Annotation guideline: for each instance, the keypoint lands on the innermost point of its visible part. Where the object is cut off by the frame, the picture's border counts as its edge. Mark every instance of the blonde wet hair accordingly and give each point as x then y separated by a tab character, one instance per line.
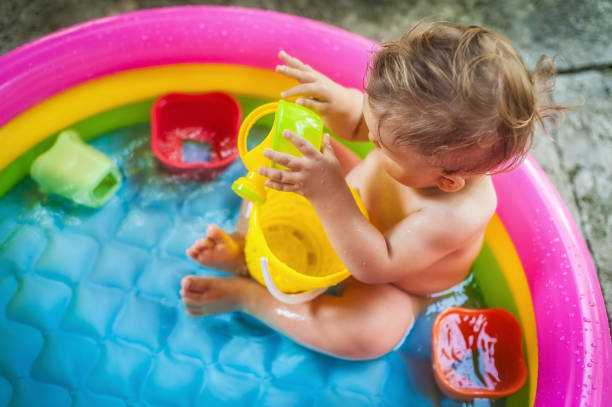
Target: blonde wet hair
461	96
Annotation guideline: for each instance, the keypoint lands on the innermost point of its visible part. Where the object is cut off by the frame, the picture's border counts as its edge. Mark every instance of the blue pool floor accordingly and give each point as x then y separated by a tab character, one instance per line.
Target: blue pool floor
91	313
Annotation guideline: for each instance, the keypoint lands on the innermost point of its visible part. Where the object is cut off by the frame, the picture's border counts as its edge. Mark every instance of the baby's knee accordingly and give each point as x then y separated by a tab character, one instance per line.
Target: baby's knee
372	342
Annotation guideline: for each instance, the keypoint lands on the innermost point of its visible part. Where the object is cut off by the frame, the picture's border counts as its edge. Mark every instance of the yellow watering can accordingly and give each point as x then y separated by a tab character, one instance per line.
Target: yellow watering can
288	116
286	248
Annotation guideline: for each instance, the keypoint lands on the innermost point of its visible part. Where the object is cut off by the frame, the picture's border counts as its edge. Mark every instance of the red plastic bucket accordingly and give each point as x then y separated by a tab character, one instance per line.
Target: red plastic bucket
195	136
477	353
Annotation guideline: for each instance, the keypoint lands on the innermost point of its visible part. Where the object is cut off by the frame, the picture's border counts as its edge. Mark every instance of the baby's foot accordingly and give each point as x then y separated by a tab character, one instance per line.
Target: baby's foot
219	250
211	295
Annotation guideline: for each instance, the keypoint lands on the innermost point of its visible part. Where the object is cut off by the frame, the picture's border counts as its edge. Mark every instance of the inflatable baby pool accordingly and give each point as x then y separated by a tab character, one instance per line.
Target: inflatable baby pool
74	332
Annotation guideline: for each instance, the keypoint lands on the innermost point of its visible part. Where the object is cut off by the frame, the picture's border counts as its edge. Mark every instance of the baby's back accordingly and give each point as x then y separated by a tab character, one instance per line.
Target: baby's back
455	222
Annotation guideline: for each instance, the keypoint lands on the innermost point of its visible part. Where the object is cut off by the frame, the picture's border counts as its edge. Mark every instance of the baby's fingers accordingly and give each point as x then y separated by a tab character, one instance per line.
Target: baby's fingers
303	145
313	104
288	160
293	61
306	89
299	75
280	176
279	186
326	147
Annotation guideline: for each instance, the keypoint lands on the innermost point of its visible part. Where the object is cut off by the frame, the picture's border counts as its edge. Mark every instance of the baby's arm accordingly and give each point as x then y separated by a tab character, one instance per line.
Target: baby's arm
340	107
413	245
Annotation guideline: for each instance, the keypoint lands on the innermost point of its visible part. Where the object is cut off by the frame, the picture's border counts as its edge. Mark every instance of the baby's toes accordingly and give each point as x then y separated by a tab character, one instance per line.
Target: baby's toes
191	252
203	243
194	249
207	255
216	234
191	288
199	246
193	308
194	312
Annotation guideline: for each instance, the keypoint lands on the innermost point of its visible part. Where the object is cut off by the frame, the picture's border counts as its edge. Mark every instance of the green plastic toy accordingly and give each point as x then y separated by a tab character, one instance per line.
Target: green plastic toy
288	116
76	171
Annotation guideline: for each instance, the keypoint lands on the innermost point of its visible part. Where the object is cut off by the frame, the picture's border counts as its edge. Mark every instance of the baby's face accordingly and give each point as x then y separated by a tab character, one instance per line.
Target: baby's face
402	163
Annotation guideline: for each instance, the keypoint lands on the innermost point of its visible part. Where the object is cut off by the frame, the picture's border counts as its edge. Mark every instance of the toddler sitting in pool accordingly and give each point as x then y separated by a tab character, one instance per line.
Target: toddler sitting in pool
445	106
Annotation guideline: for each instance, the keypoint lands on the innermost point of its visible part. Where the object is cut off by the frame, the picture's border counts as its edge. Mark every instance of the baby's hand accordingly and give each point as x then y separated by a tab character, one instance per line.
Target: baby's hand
315	175
320	91
339	107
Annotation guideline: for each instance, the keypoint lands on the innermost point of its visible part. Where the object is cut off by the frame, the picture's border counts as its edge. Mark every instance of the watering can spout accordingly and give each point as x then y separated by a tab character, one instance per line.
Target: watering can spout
250	187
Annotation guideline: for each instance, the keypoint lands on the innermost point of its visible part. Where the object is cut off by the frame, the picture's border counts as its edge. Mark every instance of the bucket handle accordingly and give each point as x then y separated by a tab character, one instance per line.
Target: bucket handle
249	121
281	296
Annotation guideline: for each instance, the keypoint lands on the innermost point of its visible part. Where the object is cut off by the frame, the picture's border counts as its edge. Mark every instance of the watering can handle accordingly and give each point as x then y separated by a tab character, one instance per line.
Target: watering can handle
281	296
249	121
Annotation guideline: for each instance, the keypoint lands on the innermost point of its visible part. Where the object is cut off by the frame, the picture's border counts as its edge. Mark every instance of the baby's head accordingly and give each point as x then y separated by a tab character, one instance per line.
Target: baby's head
456	99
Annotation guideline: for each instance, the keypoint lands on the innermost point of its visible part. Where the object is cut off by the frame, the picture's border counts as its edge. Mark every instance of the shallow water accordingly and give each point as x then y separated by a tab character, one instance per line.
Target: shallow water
92	312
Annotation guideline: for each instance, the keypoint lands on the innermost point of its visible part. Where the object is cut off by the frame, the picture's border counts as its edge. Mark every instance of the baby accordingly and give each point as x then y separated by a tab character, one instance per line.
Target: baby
445	106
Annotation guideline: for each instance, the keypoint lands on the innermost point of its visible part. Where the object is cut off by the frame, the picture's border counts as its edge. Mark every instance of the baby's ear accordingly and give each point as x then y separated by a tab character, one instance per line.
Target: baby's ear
451	182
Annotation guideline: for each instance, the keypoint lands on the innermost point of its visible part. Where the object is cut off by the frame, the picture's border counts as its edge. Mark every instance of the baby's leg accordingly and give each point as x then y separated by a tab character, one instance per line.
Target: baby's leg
365	322
222	250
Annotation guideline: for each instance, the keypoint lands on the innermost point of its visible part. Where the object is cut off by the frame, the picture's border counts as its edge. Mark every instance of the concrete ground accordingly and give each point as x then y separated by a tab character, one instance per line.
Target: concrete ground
576	157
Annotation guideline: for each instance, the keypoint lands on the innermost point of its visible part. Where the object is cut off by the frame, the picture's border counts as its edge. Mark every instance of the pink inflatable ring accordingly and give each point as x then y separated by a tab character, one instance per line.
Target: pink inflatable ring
574	364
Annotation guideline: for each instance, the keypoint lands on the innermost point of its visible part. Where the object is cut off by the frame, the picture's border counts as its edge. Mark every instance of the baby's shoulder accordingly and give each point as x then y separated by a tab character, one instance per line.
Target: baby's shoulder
467	211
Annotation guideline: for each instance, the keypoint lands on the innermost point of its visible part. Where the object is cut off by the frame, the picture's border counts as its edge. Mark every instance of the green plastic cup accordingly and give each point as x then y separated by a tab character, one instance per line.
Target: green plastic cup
76	171
287	116
301	121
